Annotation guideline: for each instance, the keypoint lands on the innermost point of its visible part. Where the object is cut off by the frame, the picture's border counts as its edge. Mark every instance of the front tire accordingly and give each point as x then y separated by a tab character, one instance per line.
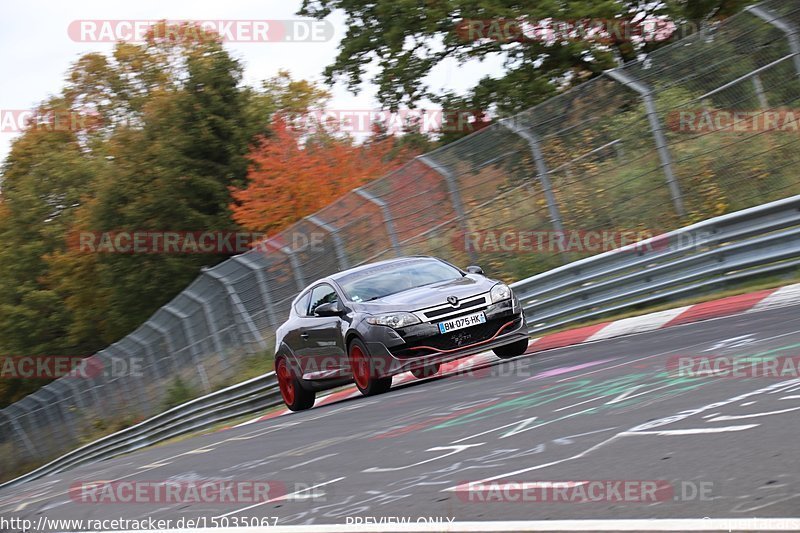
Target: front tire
511	350
294	395
364	372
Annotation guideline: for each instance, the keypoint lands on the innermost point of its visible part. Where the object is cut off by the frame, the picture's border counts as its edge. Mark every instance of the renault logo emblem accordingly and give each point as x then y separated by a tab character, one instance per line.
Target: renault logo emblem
452	300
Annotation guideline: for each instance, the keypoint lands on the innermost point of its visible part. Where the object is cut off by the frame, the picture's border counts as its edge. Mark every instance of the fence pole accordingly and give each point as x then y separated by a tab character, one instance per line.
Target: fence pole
134	337
338	245
245	319
167	341
72	383
192	344
261	281
108	370
760	94
786	26
130	358
44	408
387	218
455	197
208	315
658	133
297	271
17	428
57	399
541	168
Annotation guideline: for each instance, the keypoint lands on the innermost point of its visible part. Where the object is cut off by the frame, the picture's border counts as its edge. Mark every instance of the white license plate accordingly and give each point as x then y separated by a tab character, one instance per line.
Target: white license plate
462	322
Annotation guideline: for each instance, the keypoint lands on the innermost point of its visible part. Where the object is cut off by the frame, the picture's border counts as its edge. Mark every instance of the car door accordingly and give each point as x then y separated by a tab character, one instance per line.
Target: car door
292	338
322	348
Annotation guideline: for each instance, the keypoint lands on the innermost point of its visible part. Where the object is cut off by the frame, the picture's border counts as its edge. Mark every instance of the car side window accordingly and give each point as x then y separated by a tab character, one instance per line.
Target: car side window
322	294
301	306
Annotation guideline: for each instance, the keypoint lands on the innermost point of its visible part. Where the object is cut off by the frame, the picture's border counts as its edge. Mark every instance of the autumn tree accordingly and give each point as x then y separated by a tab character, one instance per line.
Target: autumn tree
294	174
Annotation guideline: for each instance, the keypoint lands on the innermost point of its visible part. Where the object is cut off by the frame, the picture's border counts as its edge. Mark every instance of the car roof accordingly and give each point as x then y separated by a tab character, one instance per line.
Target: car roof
368	266
335	277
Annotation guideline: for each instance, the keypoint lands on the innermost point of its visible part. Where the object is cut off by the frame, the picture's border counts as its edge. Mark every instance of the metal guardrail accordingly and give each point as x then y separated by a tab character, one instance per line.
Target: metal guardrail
201	413
732	247
743	244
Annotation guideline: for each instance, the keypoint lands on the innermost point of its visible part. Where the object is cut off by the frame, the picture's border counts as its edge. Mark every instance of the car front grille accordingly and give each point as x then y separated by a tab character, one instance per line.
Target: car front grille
453	340
466	304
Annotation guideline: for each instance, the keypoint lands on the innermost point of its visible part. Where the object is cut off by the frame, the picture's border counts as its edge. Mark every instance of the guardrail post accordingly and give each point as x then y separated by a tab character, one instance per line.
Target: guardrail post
261	280
541	169
338	245
786	26
658	133
192	344
455	197
239	306
387	218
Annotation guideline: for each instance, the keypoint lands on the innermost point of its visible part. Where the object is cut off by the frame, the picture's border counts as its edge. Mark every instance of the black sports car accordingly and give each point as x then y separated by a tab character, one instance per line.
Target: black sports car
366	324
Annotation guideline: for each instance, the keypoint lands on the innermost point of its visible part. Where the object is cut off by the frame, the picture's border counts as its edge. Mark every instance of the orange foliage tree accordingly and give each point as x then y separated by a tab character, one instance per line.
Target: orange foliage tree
290	179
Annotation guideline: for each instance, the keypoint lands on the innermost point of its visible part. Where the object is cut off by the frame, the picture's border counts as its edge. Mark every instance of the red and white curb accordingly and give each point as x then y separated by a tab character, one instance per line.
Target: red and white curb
732	305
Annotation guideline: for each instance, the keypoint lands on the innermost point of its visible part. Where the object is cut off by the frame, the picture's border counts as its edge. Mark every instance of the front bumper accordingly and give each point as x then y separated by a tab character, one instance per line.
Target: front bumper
396	351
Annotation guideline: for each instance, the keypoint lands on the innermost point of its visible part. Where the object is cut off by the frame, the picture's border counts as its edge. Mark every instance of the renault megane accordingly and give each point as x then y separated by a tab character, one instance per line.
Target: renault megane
366	324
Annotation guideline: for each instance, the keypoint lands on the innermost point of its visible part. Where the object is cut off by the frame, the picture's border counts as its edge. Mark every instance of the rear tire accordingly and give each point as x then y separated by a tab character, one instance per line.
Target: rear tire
426	371
511	350
364	372
294	395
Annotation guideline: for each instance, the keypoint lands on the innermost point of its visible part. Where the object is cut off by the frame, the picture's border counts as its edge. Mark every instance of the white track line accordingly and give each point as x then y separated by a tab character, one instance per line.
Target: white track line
692	431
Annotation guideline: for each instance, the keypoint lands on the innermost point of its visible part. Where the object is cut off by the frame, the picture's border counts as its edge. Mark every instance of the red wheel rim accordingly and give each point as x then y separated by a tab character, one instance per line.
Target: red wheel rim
360	366
285	382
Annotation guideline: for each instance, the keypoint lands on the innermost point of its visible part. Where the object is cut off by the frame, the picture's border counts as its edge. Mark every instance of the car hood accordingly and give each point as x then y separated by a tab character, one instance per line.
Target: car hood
429	295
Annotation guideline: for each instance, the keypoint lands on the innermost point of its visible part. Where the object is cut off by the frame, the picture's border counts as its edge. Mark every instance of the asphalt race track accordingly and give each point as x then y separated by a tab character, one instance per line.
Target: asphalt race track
608	411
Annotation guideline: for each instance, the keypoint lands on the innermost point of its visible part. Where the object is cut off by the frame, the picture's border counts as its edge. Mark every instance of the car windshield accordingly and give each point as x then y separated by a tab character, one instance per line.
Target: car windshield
391	278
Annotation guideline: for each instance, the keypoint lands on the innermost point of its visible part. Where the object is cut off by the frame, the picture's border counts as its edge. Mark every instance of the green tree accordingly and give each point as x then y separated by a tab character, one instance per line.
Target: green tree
173	162
404	40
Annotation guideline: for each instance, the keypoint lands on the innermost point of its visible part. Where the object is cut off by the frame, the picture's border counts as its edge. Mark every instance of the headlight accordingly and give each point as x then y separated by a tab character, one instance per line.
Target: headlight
500	292
393	320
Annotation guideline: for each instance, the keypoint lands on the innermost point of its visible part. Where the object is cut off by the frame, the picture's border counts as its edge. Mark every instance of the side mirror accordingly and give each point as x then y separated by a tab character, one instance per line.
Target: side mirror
473	269
329	309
